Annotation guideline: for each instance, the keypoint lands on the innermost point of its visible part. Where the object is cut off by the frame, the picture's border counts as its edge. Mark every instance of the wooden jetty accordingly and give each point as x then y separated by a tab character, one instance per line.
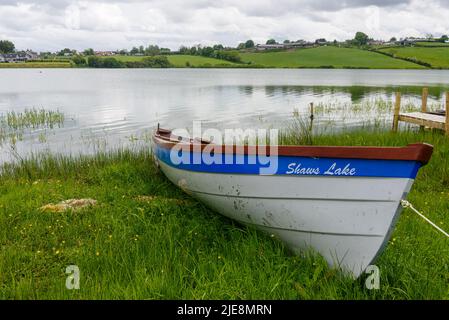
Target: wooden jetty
424	119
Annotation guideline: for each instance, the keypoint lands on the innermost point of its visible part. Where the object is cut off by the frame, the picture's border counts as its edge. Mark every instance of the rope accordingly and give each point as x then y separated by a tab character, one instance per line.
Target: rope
406	204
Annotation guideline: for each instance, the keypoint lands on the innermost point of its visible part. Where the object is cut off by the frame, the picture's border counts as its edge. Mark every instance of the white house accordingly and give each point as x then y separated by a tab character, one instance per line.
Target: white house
21	56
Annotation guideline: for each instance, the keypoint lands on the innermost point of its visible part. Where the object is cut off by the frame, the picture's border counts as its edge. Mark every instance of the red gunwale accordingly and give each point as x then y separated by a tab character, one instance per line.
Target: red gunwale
420	152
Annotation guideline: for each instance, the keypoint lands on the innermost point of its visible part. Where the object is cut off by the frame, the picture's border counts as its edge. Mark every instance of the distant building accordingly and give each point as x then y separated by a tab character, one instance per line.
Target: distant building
298	44
412	40
376	42
22	56
31	55
269	46
105	53
321	41
287	45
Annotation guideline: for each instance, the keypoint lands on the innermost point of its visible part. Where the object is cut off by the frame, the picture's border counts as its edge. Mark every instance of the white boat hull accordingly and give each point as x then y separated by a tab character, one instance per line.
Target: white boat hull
347	220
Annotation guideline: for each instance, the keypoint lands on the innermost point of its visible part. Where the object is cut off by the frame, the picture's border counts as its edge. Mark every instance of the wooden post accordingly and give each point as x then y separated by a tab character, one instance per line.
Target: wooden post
425	93
311	117
397	107
447	113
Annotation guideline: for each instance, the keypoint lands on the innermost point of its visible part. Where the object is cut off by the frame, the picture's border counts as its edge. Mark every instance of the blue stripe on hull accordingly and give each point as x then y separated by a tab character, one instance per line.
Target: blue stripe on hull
249	164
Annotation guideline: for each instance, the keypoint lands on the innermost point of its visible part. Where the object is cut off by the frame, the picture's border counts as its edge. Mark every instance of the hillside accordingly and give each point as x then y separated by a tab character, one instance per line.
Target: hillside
327	56
196	61
436	57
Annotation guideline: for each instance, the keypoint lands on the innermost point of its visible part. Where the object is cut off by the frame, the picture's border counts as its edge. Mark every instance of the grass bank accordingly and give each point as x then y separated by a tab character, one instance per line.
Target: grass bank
437	57
147	239
36	65
182	61
327	57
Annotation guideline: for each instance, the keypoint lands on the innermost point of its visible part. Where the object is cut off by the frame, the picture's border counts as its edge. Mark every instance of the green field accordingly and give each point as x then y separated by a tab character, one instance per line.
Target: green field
181	60
432	44
327	56
36	65
147	239
197	61
437	57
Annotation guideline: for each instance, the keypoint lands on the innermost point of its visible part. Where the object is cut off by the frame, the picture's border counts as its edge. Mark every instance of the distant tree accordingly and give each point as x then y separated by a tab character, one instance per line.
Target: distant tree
46	55
66	52
429	36
94	62
287	41
156	62
393	39
141	49
194	50
227	55
218	47
134	51
147	62
183	50
97	62
444	38
6	46
241	46
89	52
152	50
79	60
207	51
249	44
361	38
164	50
123	52
320	40
111	63
271	41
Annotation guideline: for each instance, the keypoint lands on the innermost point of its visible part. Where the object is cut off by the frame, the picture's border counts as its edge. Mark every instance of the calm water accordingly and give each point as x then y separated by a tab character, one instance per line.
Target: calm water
106	108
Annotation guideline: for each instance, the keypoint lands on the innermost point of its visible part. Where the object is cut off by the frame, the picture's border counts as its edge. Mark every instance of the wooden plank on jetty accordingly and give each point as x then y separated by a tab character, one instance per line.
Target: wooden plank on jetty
423	118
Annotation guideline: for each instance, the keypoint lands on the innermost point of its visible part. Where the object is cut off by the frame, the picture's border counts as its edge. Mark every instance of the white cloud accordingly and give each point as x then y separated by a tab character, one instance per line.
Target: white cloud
113	24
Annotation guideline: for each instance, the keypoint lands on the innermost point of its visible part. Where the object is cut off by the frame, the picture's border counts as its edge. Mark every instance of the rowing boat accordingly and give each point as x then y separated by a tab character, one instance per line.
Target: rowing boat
340	201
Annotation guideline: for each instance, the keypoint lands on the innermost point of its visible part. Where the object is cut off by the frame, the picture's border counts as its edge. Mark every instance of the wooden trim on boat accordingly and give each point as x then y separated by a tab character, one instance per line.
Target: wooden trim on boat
414	152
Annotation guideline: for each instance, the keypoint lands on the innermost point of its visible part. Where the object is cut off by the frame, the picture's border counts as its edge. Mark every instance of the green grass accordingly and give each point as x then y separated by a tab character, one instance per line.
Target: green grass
124	58
436	57
182	60
36	65
327	56
197	61
172	246
432	44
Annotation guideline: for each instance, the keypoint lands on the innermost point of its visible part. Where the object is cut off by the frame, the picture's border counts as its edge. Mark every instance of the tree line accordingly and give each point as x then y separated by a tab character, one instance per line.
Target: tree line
111	62
217	51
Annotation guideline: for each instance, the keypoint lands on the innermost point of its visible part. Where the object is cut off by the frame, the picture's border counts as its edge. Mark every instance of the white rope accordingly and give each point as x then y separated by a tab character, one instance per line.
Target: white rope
406	204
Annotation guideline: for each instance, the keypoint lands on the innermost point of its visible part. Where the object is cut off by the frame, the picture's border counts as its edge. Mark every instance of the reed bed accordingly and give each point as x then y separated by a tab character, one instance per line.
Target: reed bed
14	125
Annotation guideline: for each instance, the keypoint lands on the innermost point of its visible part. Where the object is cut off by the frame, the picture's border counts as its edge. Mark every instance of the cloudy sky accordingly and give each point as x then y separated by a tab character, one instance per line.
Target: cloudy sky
114	24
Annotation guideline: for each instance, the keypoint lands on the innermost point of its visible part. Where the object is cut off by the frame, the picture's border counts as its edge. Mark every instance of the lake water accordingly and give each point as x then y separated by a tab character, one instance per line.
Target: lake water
105	108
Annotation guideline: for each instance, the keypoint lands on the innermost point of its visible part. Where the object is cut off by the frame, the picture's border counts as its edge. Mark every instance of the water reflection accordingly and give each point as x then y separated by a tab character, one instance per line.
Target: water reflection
106	108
